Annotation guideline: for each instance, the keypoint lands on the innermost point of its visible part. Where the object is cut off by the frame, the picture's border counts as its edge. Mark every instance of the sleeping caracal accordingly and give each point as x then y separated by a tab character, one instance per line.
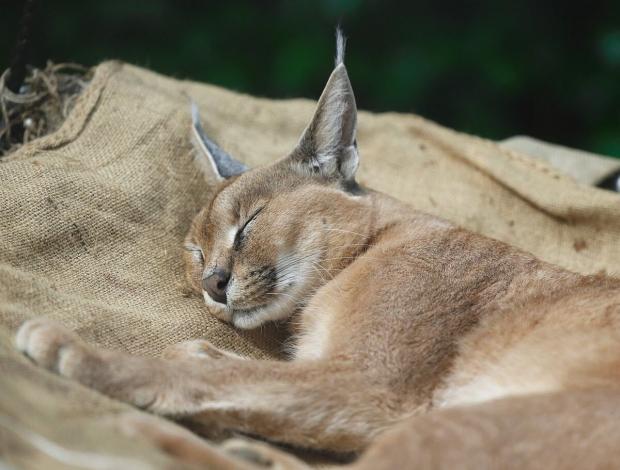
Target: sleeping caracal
459	349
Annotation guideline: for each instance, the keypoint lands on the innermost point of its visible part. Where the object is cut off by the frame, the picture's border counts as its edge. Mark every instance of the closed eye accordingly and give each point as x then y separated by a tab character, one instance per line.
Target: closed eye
196	252
241	231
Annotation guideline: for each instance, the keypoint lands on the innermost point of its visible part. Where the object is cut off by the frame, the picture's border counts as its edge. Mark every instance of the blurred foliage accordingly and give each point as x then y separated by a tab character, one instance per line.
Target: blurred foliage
492	68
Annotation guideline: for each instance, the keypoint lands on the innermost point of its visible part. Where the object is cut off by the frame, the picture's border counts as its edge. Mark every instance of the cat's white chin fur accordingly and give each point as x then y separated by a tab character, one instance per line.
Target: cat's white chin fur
279	309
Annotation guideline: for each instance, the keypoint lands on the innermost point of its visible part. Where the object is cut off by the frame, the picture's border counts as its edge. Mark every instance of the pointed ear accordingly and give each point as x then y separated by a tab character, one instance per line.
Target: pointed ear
328	144
211	158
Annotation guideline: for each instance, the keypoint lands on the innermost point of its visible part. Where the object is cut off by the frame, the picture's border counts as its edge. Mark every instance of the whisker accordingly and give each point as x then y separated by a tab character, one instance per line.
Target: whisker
280	294
356	257
319	273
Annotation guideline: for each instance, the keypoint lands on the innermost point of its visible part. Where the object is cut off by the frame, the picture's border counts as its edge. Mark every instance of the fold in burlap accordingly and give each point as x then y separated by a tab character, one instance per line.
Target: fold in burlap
92	218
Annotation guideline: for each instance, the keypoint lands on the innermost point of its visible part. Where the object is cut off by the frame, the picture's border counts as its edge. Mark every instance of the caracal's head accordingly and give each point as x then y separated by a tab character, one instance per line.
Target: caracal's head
271	236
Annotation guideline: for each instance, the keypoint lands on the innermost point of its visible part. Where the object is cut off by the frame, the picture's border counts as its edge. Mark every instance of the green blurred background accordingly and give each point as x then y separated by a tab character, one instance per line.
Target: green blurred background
491	67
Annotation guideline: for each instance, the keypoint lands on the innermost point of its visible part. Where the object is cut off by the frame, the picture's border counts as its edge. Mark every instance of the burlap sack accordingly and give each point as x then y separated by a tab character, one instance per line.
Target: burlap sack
584	167
92	218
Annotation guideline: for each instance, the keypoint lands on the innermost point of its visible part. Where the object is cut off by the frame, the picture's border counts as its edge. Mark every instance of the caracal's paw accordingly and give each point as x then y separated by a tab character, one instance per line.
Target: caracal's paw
52	346
197	349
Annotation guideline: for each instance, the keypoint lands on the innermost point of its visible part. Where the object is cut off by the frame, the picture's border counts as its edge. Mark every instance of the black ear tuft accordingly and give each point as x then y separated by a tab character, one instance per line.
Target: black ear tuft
211	158
328	146
341	43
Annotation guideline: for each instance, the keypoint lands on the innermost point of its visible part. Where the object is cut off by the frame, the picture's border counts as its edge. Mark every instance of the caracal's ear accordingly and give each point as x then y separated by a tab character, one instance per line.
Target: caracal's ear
328	145
212	160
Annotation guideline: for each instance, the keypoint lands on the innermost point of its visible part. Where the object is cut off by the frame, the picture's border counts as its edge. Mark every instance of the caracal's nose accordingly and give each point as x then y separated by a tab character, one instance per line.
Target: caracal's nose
215	284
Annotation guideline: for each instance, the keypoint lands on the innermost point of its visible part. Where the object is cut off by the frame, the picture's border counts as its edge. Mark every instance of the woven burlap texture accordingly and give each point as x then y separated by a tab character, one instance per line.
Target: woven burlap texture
92	220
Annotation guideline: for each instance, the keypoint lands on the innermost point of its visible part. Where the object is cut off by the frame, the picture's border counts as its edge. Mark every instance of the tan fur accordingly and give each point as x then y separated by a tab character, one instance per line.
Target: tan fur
464	351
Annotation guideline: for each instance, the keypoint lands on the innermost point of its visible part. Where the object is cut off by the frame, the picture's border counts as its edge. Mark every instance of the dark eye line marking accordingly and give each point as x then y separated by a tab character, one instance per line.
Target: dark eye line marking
239	235
252	217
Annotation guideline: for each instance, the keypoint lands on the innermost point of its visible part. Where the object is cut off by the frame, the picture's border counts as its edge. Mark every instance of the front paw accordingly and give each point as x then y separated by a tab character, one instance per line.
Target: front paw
52	346
126	378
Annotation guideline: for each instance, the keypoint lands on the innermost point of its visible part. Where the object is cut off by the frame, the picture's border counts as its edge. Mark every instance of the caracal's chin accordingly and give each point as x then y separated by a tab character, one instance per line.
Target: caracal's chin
279	309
